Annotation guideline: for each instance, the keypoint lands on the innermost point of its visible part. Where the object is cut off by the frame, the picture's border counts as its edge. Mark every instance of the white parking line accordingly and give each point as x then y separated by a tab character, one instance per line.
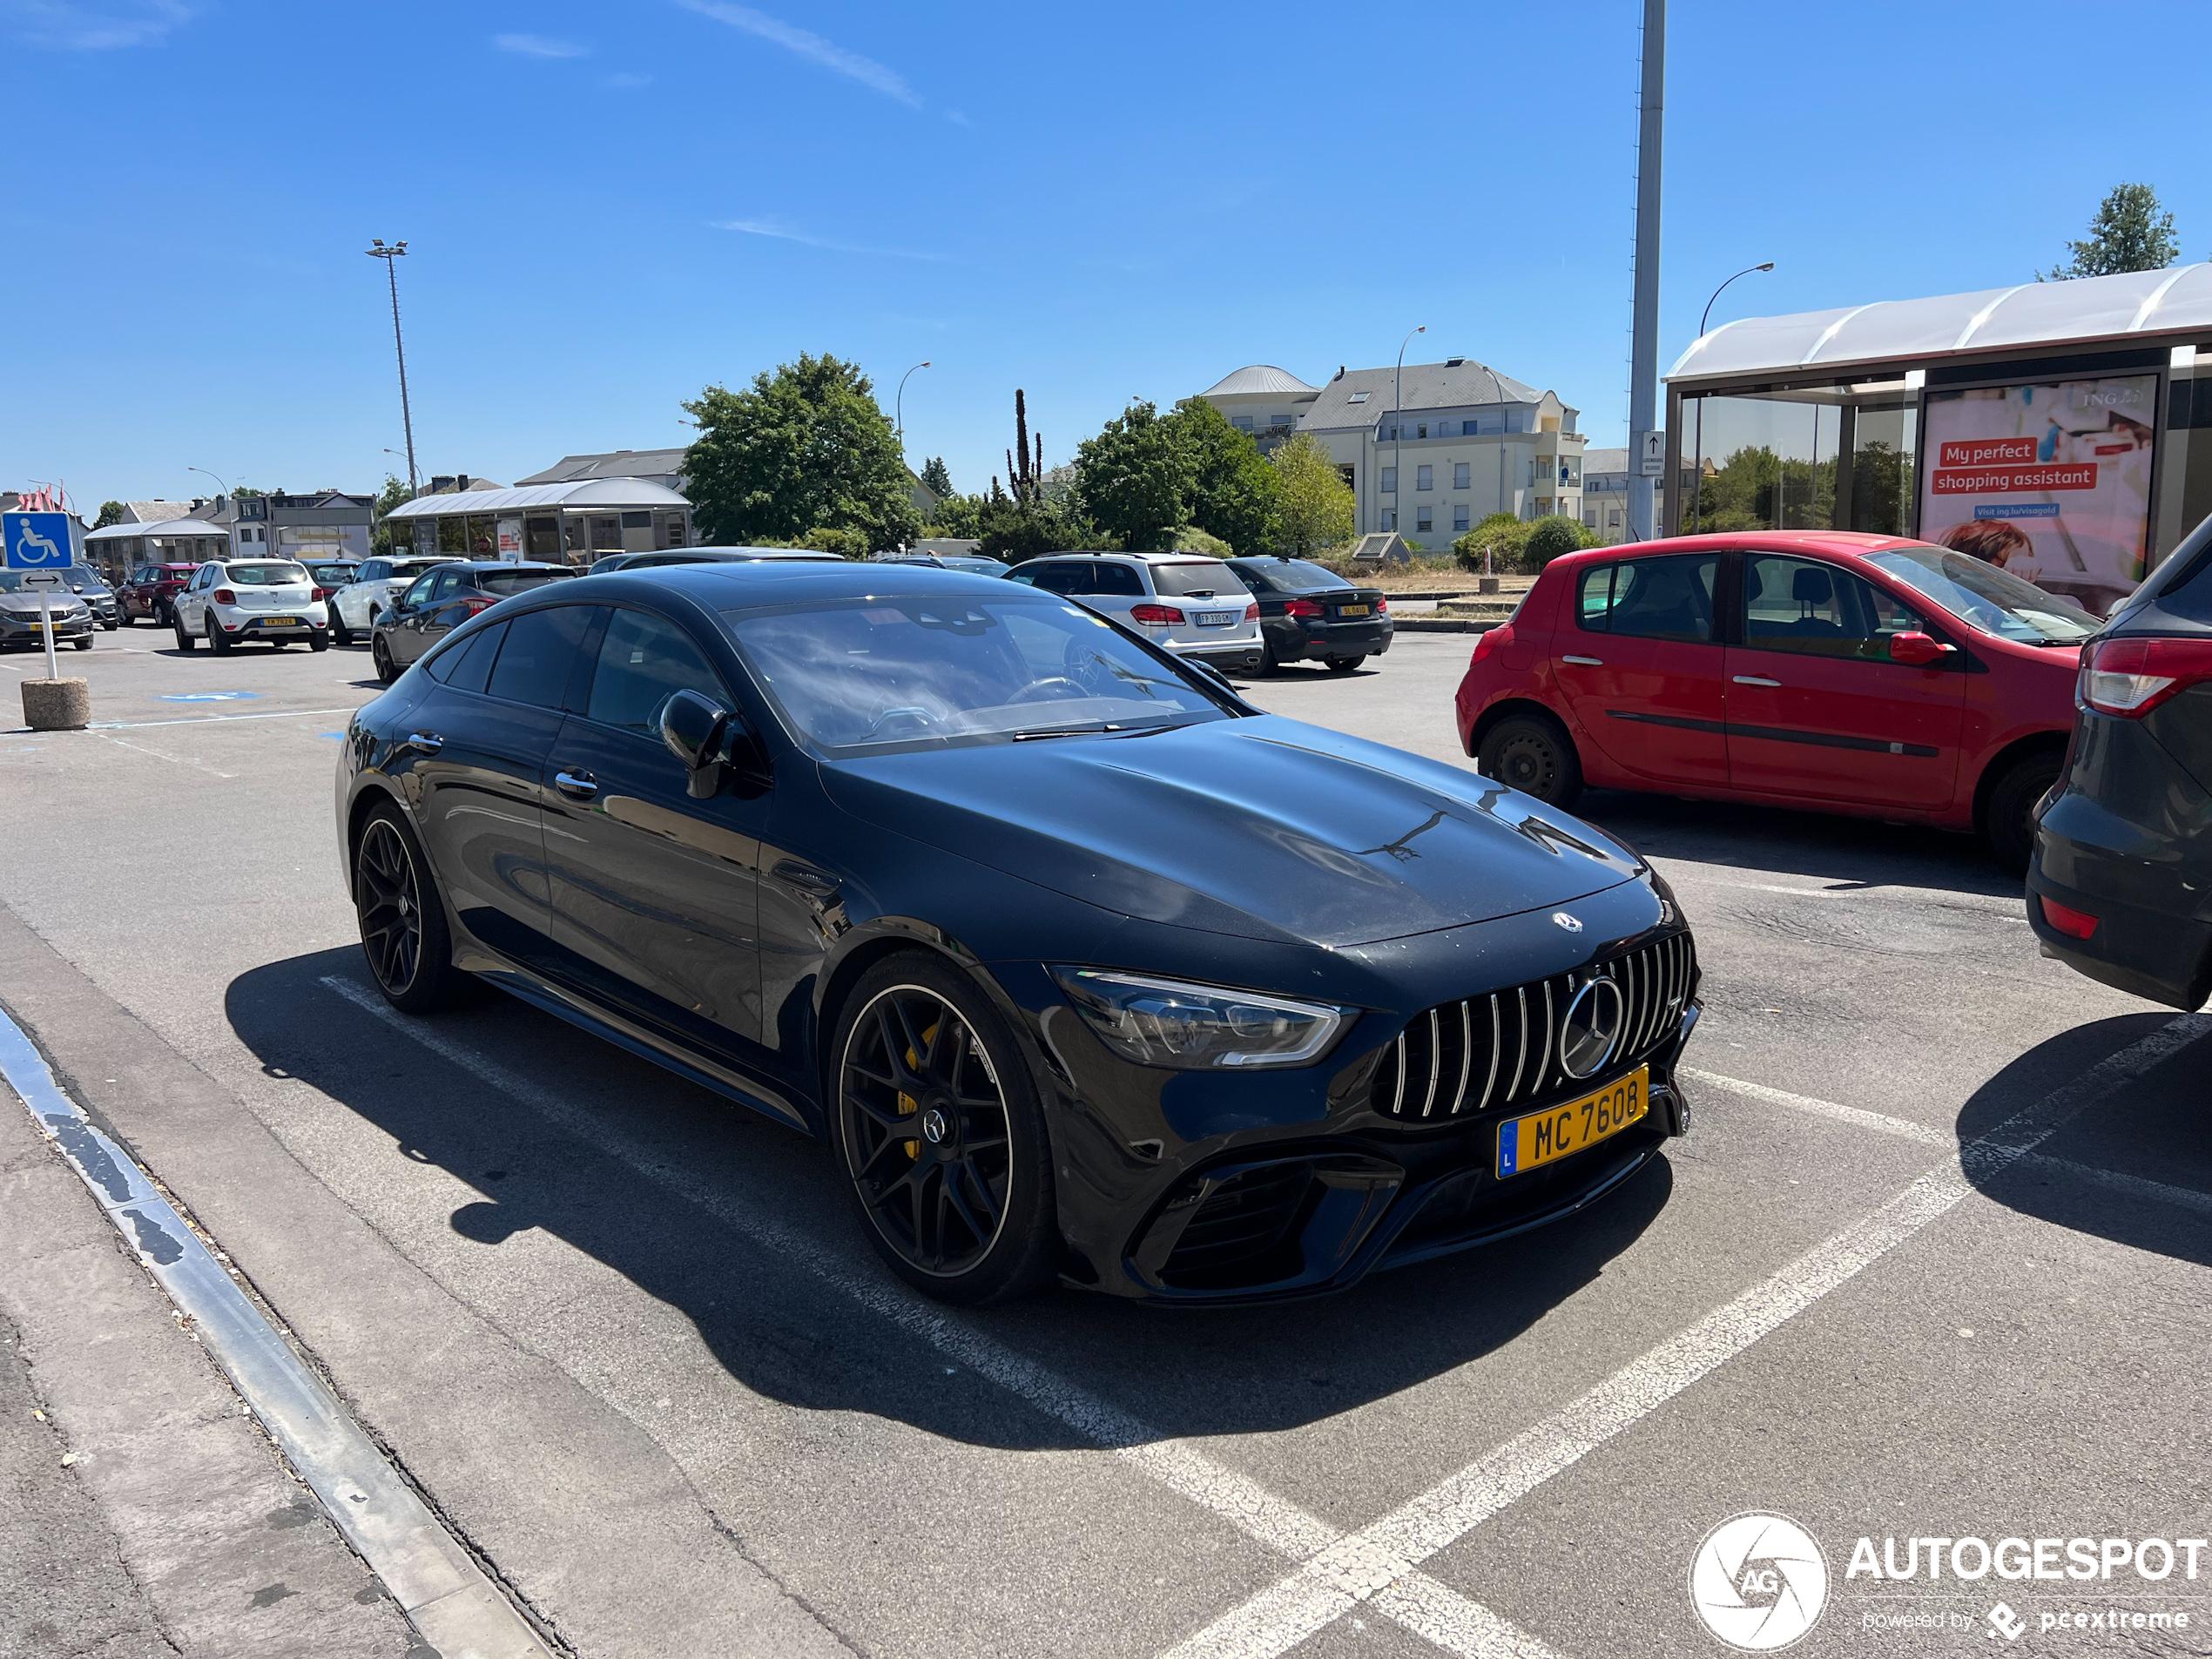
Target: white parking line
212	719
174	761
1428	1608
1365	1565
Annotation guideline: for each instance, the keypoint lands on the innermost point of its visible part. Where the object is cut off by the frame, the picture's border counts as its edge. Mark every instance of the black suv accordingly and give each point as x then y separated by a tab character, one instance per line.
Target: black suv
2122	886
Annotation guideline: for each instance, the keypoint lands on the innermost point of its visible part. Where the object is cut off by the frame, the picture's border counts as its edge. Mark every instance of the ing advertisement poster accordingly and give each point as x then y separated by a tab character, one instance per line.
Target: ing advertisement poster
2051	482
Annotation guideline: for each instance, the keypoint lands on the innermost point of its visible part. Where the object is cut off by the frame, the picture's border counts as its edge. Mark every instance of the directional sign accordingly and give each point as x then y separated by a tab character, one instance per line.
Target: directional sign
36	541
1651	454
43	579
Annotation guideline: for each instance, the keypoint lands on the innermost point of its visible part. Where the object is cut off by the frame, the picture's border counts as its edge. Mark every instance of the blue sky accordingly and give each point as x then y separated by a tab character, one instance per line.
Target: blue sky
609	206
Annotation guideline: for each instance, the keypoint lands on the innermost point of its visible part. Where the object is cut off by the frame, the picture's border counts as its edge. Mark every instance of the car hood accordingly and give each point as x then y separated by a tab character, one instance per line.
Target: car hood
1264	827
22	604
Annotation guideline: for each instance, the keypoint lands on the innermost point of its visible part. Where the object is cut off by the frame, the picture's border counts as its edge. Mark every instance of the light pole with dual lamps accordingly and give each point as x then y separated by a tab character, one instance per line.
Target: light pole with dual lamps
376	250
1698	444
1397	421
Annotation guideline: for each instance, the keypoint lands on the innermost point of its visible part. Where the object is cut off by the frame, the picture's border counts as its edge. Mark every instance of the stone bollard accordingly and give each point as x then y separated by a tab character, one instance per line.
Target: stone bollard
58	706
1486	584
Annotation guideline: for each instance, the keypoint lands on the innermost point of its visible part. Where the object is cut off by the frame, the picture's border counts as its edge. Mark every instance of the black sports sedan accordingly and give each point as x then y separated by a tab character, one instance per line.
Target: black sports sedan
1085	967
1307	612
439	600
2123	846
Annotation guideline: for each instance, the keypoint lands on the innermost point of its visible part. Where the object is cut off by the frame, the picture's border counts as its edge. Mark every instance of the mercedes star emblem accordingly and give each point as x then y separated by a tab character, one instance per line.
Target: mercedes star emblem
1573	924
1591	1029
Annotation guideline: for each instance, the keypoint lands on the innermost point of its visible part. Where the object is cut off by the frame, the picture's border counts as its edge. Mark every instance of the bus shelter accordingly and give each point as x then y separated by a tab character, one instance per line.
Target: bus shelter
2048	427
121	548
569	523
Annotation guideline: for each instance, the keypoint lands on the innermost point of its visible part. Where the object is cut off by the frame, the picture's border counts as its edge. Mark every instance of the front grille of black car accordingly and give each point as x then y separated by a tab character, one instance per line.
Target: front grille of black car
1246	1218
1502	1049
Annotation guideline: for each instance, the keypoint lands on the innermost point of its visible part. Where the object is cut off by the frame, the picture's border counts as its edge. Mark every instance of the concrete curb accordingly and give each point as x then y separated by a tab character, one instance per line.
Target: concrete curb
434	1579
1444	625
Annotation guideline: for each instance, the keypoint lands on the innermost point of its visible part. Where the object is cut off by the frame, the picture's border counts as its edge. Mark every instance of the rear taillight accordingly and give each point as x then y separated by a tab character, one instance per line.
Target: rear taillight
1154	613
1301	608
1493	640
1382	604
473	603
2131	677
320	593
2075	924
1252	611
225	597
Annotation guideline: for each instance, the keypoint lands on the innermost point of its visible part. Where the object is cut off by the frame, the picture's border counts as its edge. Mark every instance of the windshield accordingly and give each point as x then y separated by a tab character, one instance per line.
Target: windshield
519	581
1300	576
874	673
1195	579
403	568
263	576
1992	600
333	576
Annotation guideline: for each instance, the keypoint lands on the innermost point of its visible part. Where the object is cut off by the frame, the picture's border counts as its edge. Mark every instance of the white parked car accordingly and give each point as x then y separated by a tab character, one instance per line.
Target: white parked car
268	601
1194	606
354	607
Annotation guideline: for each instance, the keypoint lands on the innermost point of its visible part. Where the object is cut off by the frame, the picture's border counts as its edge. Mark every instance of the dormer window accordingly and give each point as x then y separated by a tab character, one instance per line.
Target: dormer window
1358	397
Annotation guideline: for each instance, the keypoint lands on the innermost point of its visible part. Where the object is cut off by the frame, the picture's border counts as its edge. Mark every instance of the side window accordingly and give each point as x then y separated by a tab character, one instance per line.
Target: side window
1662	598
1801	606
1063	576
539	655
1253	581
374	570
643	660
442	585
1119	580
469	663
418	593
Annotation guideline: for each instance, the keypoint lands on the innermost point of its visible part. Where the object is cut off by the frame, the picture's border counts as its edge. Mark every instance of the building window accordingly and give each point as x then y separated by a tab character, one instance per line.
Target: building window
1421	519
1459	469
1242	423
1423	430
1459	518
1357	397
1589	521
1613	518
1468	428
1390	518
1424	477
1389	480
1344	471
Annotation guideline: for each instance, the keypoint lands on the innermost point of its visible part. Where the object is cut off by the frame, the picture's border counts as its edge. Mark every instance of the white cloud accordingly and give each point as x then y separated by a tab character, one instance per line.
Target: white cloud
92	29
811	47
784	233
539	46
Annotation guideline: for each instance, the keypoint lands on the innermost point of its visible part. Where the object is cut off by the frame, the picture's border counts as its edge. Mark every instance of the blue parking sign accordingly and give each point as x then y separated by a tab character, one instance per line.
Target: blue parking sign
37	541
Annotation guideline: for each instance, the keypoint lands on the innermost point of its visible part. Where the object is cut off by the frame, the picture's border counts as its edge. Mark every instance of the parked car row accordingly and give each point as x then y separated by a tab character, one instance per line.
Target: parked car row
22	606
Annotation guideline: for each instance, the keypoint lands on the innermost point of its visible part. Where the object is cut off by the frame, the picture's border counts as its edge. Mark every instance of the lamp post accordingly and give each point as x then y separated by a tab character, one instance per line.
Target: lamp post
1498	386
1397	423
376	250
898	406
1697	446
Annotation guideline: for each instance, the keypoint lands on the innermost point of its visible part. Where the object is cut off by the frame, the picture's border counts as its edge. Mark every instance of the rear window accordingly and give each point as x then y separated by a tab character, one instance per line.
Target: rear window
1298	575
1196	579
264	576
415	567
504	582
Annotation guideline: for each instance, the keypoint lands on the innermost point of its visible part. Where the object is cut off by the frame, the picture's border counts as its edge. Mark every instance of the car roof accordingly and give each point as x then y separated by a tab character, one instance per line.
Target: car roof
1130	558
790	580
1831	544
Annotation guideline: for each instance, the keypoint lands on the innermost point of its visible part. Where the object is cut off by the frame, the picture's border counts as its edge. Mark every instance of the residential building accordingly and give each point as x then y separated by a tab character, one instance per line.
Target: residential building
325	524
1605	494
1470	441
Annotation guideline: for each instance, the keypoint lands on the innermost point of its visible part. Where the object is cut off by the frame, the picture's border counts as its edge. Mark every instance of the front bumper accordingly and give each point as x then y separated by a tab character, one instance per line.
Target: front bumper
1293	641
21	631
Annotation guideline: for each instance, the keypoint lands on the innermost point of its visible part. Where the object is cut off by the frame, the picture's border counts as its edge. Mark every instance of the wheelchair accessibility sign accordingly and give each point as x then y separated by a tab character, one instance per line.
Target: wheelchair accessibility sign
37	541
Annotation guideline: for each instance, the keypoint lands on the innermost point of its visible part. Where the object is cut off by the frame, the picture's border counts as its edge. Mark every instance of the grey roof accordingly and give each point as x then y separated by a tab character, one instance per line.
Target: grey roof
1604	461
1257	377
160	527
1426	386
158	512
2135	305
591	492
623	464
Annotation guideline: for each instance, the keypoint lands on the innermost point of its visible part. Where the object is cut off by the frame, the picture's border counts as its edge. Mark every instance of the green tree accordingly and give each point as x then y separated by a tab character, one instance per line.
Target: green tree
806	448
1234	494
111	513
2130	232
958	516
394	492
1547	539
1134	478
934	475
1014	529
1315	508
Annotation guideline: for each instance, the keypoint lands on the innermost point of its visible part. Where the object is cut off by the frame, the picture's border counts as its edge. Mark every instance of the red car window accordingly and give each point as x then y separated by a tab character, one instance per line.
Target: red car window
1657	598
1819	610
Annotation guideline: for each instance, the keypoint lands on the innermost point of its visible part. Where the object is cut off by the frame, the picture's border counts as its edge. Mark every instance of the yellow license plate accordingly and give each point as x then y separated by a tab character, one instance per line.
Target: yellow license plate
280	621
1540	1138
1353	610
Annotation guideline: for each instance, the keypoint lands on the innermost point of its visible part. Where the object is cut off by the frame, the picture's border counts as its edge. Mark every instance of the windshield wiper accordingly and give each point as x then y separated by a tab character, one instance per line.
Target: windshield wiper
1035	733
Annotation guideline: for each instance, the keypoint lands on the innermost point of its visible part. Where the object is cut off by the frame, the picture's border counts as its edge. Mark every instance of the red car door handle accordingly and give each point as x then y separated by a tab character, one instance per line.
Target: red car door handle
1584	662
1754	679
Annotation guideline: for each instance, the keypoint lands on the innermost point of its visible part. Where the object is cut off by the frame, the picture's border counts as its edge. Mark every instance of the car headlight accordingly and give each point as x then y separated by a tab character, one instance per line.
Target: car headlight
1168	1023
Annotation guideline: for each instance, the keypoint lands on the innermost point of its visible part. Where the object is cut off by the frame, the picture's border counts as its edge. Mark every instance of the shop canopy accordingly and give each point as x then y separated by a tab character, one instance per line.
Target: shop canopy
165	530
2145	306
603	493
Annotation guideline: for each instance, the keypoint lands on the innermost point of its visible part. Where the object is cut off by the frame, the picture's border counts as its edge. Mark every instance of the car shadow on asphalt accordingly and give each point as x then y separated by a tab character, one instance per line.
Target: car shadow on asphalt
2132	1167
611	1182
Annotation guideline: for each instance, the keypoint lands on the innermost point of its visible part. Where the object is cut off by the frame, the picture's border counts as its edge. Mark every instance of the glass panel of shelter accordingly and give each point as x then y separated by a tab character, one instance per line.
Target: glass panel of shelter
1837	457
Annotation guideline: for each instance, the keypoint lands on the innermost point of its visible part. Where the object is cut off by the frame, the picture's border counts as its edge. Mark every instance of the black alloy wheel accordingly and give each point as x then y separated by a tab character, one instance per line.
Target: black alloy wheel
1534	756
381	655
940	1135
403	923
2008	820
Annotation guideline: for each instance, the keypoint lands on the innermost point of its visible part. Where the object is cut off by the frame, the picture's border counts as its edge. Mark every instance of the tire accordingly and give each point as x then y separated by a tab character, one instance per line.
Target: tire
402	920
318	640
185	641
381	654
1344	665
1534	755
85	644
2009	817
967	1217
165	613
124	619
1270	663
339	634
216	641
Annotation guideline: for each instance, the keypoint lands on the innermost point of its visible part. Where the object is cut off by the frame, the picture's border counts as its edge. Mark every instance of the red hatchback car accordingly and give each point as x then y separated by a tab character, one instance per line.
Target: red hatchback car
1838	672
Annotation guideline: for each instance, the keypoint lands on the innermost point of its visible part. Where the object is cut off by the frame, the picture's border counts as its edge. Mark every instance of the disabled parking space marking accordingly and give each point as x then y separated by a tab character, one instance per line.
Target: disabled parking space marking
1363	1566
207	696
1420	1604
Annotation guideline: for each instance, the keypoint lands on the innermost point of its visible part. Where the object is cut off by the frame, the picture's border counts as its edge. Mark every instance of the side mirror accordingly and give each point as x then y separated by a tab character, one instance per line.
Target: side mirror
711	741
1915	649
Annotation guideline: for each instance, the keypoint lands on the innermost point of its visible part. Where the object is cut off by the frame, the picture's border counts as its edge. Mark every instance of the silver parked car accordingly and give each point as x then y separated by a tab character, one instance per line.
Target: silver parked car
356	607
1195	607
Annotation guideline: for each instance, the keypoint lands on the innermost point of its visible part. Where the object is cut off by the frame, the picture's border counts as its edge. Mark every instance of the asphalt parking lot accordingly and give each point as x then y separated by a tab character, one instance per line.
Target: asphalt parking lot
1936	1262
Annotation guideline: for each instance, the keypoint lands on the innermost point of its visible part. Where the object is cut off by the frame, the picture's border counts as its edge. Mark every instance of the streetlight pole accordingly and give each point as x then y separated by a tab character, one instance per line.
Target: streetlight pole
217	477
1643	332
1697	446
1498	386
1397	425
376	250
898	406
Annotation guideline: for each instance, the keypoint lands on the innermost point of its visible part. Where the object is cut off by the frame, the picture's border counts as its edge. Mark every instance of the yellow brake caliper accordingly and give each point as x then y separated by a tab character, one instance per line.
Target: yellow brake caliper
908	1104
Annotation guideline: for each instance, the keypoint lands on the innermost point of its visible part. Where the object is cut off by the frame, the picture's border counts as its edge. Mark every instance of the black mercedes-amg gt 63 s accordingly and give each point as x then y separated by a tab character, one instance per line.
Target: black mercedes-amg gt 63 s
1085	967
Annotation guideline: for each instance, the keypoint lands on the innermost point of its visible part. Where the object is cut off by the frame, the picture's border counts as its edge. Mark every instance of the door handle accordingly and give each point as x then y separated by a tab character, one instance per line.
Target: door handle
581	786
1585	661
1754	679
429	742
